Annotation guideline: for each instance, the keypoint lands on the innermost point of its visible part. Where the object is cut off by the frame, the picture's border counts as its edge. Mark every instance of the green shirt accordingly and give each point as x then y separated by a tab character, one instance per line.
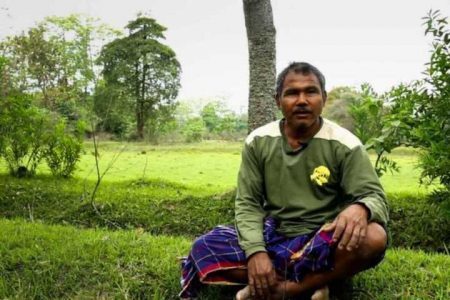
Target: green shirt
302	188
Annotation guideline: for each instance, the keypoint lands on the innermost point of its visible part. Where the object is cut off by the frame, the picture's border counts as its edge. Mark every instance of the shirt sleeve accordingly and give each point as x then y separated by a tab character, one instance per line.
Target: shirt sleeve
249	214
360	182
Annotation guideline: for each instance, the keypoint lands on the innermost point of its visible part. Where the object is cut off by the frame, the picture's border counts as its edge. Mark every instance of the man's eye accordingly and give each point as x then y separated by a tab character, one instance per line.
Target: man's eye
312	91
290	93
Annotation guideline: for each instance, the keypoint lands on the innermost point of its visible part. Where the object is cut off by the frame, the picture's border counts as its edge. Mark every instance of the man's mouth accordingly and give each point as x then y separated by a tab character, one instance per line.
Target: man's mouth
302	113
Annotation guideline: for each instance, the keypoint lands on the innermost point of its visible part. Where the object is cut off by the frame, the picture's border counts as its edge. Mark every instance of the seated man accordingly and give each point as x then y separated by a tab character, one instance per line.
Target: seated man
309	207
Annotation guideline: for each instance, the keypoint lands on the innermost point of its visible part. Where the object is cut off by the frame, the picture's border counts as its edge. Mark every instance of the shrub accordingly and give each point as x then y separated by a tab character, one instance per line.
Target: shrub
423	106
23	128
194	129
64	148
419	223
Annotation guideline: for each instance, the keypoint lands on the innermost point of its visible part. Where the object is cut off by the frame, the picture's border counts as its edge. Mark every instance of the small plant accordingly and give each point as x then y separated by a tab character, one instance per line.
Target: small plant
23	127
64	148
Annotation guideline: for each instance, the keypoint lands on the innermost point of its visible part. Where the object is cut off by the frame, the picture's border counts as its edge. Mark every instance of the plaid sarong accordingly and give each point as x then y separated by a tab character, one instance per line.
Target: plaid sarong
219	250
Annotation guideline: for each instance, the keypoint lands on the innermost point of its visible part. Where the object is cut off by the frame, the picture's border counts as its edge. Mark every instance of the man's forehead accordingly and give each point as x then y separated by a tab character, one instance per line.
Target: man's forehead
300	77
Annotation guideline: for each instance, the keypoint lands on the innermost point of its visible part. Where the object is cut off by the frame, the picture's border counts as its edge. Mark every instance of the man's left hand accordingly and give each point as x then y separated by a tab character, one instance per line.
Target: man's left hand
350	227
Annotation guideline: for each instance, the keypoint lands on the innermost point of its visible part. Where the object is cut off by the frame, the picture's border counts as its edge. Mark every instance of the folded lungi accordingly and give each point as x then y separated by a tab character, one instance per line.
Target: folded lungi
219	249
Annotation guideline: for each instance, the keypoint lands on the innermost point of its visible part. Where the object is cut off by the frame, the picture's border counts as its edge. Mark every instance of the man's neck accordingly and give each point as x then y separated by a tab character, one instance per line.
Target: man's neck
302	135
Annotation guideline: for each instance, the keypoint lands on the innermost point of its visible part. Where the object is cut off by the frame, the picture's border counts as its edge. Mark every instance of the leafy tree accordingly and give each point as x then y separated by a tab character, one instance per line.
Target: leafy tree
113	107
377	127
210	115
33	63
423	106
143	67
53	61
262	58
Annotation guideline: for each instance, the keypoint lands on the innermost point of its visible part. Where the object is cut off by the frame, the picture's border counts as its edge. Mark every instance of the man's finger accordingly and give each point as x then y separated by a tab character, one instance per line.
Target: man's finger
346	235
354	240
362	235
329	226
251	284
265	287
258	287
272	279
340	227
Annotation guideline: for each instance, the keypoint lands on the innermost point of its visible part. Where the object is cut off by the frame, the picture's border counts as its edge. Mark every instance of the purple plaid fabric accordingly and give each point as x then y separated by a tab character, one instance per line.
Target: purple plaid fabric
219	250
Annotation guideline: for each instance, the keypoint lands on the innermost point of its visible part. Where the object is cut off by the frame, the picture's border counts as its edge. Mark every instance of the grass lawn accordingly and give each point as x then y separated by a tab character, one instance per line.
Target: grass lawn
161	197
208	168
204	168
39	261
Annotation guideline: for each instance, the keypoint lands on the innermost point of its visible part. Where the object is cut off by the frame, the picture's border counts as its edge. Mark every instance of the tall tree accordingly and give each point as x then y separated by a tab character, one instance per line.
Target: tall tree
262	58
54	59
145	68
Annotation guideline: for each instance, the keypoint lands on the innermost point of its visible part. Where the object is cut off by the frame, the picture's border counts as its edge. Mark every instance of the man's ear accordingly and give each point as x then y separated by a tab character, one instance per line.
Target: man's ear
277	101
325	97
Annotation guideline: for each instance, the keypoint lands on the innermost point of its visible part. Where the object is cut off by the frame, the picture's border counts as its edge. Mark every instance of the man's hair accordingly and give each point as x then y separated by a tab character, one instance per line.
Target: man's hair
302	68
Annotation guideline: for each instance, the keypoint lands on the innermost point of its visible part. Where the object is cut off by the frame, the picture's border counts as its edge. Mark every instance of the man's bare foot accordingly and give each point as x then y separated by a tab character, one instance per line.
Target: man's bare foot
321	294
243	294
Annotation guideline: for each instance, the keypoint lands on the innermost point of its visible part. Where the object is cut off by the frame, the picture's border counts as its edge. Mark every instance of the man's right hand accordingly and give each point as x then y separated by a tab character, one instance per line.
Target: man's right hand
262	277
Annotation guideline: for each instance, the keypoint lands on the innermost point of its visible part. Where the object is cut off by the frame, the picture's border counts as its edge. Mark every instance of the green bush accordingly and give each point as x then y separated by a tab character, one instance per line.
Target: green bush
419	223
23	129
30	134
423	106
193	130
63	148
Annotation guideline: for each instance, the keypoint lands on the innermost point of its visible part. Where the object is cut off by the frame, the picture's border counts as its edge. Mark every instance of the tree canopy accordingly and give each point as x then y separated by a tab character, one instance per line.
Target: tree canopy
143	67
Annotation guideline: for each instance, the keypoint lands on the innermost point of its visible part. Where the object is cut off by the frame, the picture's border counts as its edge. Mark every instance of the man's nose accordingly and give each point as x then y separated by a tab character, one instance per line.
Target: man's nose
302	99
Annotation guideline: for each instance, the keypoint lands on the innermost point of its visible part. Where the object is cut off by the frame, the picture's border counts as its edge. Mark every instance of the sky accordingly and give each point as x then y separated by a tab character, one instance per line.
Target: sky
351	41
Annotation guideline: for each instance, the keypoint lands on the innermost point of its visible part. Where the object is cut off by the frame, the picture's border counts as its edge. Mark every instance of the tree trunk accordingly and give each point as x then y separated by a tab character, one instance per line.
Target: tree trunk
262	58
139	106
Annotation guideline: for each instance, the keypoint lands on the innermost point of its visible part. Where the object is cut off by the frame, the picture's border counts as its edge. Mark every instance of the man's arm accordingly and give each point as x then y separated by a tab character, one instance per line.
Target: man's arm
249	215
361	183
368	201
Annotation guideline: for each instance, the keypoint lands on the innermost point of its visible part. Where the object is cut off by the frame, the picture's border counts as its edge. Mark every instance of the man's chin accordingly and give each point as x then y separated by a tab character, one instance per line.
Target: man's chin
301	125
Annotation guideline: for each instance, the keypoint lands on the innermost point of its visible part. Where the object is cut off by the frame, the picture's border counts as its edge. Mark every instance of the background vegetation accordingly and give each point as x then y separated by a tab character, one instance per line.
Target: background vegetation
87	219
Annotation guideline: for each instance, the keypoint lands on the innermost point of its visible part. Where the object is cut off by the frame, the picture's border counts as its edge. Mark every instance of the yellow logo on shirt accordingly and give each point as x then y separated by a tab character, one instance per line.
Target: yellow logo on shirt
320	175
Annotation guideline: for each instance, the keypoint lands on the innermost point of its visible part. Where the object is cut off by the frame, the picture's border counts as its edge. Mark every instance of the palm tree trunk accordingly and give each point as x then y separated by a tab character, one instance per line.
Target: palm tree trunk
262	58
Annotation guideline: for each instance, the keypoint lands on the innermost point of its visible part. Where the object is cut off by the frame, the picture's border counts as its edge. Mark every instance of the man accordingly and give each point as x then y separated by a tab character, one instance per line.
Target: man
296	175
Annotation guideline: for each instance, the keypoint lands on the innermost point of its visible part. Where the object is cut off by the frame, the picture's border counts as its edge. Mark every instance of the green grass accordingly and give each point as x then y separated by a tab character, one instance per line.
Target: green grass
205	168
406	274
163	205
174	193
159	207
40	261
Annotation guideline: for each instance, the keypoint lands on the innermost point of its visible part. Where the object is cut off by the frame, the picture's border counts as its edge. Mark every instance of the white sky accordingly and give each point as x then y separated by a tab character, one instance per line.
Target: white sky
351	41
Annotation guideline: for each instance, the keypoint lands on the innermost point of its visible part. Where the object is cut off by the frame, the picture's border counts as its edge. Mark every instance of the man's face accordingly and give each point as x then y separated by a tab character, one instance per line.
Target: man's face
301	100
